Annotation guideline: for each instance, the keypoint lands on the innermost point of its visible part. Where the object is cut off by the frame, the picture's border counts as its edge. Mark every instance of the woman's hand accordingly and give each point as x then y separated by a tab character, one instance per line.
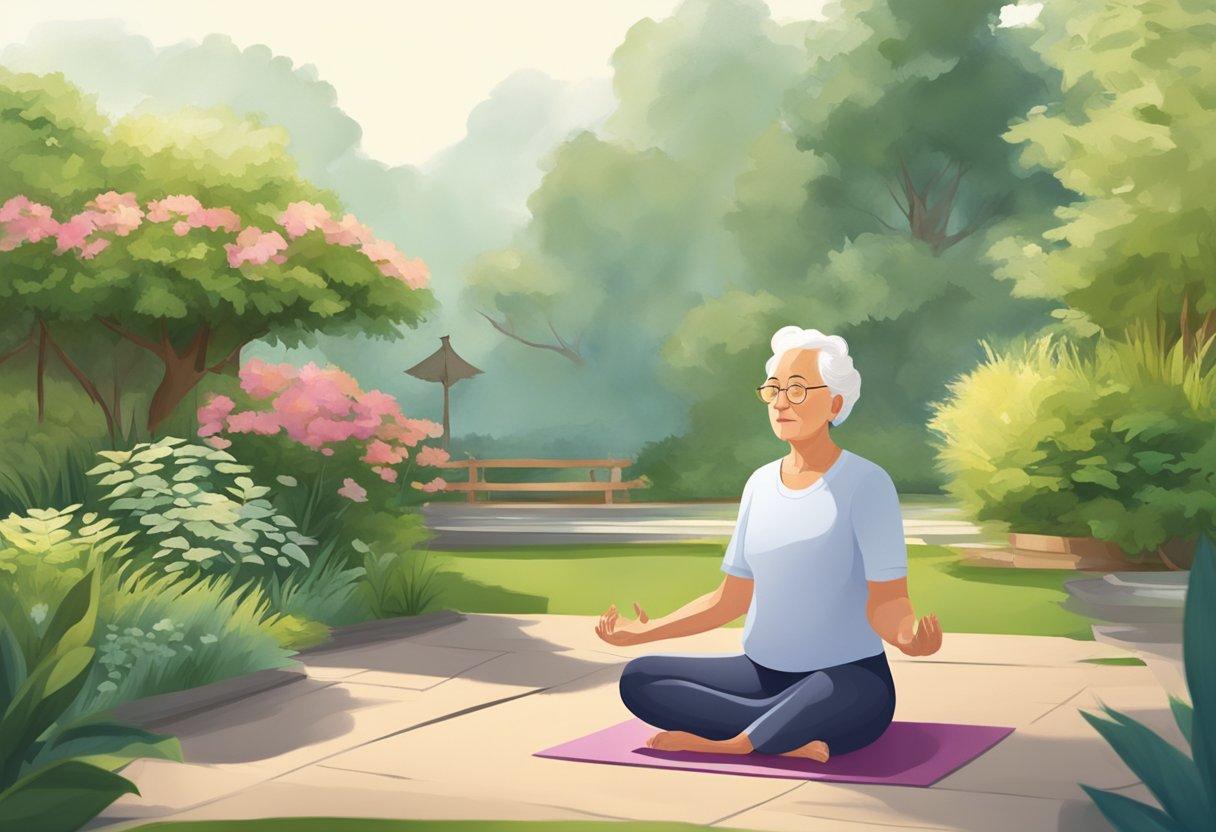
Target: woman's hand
922	640
623	632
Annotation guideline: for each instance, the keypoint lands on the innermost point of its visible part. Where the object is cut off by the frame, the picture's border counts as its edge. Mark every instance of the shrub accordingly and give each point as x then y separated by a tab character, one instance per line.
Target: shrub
351	452
1118	446
200	508
167	632
56	773
328	593
397	582
1185	786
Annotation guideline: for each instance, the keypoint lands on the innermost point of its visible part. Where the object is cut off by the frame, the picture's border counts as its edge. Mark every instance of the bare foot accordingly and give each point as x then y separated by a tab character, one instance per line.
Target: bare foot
815	750
684	741
676	741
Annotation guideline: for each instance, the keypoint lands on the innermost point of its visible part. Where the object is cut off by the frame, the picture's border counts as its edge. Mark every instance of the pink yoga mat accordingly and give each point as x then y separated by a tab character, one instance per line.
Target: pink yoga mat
907	754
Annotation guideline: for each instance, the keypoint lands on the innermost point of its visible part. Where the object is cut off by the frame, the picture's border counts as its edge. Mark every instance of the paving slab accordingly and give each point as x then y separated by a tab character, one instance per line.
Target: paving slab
443	723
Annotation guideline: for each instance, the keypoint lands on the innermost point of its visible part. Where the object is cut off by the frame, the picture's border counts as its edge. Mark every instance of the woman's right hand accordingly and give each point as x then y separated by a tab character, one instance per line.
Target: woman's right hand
623	631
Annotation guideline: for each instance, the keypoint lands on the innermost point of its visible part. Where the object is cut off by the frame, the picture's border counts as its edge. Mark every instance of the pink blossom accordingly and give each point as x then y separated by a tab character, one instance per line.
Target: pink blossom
94	248
327	451
262	380
386	474
431	455
215	219
348	232
253	245
218	442
353	491
159	210
72	234
211	415
393	263
252	421
381	453
117	213
302	217
434	485
25	221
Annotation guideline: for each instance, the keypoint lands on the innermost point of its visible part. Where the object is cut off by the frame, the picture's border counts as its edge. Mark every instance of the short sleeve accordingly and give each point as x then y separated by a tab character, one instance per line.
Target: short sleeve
878	528
734	562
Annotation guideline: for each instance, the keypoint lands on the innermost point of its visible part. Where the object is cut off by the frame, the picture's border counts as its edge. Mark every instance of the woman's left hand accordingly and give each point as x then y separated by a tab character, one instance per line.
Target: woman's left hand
922	641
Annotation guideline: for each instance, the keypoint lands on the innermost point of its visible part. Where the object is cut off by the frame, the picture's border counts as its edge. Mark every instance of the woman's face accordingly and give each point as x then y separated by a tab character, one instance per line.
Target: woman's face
793	422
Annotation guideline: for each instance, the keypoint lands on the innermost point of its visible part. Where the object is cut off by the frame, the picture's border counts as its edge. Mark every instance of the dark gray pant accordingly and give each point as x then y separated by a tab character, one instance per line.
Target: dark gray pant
719	696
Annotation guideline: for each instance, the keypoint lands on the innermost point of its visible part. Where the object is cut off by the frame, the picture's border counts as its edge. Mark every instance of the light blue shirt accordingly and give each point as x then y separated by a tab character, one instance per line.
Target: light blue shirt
810	552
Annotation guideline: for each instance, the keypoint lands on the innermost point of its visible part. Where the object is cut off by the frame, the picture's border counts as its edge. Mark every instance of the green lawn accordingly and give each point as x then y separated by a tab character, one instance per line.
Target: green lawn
662	577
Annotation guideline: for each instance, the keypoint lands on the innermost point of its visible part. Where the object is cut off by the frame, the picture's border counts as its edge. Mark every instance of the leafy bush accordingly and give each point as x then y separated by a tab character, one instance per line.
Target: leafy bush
328	593
351	452
1185	786
1118	446
44	553
168	632
397	582
56	773
43	463
217	516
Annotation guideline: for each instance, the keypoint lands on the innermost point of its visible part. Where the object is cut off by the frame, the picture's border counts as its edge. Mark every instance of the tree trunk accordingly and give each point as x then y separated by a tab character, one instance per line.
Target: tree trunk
41	374
179	379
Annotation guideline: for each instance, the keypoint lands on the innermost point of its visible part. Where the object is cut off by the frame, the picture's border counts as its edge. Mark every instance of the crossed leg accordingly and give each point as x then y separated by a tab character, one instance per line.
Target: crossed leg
729	704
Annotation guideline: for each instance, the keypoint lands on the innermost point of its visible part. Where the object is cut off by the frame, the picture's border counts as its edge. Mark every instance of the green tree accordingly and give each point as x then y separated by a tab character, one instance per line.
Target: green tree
1130	132
198	265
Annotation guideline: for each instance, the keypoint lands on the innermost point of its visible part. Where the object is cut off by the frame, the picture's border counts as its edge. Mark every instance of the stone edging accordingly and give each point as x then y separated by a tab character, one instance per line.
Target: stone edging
165	708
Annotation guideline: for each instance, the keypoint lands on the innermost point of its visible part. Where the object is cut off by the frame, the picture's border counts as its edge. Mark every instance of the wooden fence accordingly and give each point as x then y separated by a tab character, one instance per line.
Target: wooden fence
614	488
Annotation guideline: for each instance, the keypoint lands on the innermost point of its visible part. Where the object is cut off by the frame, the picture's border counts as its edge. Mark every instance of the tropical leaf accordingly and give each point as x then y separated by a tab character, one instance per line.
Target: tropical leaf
61	797
1199	657
1128	815
1167	772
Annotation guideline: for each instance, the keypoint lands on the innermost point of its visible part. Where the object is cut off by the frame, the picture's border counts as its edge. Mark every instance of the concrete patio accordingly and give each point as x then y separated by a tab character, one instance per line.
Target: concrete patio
439	716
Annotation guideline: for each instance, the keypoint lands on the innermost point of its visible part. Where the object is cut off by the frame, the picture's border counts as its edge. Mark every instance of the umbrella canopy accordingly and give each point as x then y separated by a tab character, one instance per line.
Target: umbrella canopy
447	368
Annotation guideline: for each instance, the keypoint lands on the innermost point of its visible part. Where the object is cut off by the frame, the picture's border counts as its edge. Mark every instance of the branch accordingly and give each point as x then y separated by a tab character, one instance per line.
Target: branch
219	365
939	217
132	337
872	214
11	353
988	210
89	386
565	351
898	204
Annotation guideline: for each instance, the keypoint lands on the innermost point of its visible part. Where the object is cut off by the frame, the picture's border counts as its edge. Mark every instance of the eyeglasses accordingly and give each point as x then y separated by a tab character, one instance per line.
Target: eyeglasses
796	393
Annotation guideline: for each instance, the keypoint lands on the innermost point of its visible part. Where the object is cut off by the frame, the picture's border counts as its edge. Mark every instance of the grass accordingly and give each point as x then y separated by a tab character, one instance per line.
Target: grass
377	825
662	577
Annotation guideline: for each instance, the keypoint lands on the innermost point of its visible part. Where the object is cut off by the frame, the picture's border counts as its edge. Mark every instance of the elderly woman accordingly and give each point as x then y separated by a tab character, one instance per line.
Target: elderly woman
818	562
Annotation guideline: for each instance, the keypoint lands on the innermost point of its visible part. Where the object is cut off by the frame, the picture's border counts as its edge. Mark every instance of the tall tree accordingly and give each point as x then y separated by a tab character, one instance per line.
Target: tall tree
223	244
1131	133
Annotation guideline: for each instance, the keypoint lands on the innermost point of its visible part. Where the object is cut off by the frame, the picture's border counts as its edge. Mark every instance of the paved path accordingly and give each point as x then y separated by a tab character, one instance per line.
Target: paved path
443	724
468	525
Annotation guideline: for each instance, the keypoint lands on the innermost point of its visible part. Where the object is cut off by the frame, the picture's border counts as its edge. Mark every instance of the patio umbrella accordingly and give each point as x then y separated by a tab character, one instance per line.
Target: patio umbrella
446	367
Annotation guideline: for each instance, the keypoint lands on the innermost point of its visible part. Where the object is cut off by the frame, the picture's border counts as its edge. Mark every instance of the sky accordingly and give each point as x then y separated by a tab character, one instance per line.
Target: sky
410	71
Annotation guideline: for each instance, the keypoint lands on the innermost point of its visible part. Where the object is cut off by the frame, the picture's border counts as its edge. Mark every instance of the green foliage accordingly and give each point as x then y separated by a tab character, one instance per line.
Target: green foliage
329	592
1185	786
1131	135
1117	446
56	771
166	632
200	508
397	583
42	465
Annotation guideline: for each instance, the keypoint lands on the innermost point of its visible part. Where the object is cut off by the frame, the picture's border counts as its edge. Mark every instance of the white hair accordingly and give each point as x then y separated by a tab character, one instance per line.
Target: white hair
835	364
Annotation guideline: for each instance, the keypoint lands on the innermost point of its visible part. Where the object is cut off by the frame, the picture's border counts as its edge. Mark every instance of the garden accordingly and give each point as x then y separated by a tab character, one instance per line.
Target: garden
178	509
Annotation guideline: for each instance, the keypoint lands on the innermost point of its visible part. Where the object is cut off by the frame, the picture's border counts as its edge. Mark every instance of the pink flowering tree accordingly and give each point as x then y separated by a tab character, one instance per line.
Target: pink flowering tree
350	443
206	239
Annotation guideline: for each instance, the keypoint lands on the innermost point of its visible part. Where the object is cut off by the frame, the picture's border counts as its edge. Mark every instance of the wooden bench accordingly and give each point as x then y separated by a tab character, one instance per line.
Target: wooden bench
612	487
